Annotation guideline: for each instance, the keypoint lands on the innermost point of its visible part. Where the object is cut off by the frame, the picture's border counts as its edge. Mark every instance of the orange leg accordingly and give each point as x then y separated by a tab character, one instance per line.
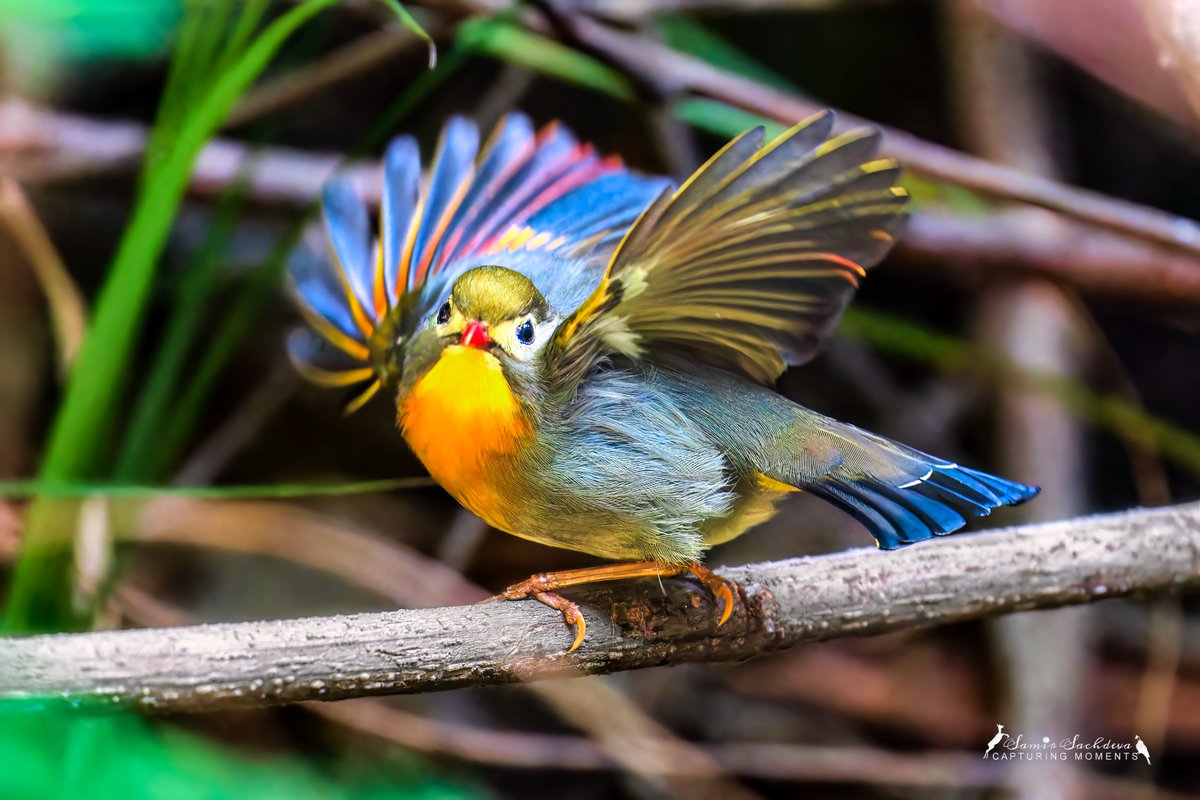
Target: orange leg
541	587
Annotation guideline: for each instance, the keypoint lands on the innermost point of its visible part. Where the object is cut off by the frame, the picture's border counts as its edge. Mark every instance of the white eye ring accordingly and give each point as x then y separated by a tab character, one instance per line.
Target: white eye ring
525	332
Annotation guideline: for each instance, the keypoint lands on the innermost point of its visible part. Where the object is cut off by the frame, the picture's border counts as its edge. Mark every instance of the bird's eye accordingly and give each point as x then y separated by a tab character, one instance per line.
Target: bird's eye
444	313
525	332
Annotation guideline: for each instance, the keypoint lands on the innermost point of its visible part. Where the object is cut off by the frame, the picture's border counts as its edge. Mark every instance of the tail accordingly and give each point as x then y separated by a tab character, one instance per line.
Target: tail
900	494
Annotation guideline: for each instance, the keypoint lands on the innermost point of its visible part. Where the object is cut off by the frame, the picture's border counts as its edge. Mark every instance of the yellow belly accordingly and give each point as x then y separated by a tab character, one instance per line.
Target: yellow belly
463	422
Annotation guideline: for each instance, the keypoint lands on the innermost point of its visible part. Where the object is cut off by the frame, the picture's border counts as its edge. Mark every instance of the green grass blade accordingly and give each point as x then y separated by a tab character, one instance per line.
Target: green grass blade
20	490
891	334
188	309
407	20
689	36
39	595
261	289
103	362
507	41
247	23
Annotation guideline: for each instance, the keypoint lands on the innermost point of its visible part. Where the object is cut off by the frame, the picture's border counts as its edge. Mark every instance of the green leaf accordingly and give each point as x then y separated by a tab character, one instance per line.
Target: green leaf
39	593
53	751
689	36
721	119
504	40
407	20
88	30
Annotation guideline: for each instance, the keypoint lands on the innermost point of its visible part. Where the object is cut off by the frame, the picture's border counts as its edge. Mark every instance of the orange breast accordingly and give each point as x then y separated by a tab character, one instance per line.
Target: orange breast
463	422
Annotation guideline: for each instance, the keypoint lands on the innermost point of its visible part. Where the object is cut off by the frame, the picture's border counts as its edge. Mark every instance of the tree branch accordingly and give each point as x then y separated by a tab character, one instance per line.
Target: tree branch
858	592
642	55
38	145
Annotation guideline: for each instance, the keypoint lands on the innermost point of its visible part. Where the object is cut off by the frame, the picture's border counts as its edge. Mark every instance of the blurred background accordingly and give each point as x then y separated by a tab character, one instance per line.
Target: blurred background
159	161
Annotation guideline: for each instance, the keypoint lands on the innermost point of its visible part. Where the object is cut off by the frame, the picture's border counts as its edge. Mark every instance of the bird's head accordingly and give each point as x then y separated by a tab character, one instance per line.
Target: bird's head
493	318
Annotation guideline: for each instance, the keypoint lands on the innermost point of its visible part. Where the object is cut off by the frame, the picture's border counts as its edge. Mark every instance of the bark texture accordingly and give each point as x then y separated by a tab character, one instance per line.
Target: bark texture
631	625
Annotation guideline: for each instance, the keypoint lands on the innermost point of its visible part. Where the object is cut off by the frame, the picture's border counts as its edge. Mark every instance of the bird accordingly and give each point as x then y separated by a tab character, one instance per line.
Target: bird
1000	735
584	356
1141	748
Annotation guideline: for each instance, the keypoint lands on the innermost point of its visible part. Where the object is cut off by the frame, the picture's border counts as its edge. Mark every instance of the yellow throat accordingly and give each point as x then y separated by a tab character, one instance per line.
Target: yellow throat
458	418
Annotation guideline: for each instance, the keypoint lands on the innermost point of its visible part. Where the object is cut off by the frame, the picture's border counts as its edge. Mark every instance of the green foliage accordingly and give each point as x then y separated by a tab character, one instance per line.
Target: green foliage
90	30
689	36
496	36
722	119
217	58
891	334
101	756
407	20
141	450
222	47
56	751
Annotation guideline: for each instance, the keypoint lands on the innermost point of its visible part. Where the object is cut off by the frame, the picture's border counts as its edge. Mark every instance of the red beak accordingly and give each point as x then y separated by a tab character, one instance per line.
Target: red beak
475	335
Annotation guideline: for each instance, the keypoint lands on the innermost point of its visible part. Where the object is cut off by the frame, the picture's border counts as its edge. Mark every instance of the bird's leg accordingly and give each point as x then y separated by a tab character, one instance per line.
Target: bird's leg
541	587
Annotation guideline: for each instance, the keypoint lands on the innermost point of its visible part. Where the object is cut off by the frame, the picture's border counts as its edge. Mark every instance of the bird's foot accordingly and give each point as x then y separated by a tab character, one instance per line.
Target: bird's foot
538	587
721	588
541	587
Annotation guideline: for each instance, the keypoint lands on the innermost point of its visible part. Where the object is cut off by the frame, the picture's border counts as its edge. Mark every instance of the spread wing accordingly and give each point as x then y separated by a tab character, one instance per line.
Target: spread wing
749	264
523	192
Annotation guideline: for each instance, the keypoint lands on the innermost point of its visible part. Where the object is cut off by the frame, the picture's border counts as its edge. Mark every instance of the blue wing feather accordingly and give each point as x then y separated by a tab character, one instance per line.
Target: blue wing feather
510	197
435	227
401	195
452	168
326	301
609	202
350	235
508	146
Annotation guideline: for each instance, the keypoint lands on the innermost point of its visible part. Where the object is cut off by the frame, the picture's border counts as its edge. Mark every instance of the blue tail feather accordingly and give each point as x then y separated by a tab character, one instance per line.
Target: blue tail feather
935	505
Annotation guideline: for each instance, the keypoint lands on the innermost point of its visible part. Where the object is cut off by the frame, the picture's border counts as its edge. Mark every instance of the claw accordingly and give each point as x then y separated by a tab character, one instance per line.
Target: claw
569	610
722	589
573	617
725	594
541	586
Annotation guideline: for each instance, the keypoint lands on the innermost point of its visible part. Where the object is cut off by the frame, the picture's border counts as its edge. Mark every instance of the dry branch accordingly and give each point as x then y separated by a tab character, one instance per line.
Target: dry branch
38	145
42	146
672	69
785	603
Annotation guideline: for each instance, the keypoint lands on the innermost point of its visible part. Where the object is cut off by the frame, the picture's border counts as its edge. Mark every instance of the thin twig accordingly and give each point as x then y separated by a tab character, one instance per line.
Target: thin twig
239	429
359	56
68	310
410	579
45	146
1004	114
859	592
644	56
1094	260
520	749
41	146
